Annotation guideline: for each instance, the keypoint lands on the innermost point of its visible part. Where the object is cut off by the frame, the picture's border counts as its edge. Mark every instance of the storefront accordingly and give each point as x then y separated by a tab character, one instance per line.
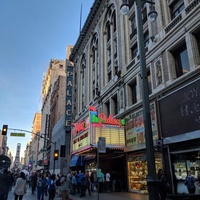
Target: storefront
138	170
184	157
135	149
85	137
181	134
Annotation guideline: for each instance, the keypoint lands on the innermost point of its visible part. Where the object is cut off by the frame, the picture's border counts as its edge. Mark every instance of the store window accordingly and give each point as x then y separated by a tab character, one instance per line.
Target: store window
182	163
185	162
137	171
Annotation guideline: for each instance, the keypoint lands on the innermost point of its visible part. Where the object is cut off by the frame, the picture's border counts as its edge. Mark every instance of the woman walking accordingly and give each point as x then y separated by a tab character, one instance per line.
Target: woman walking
20	186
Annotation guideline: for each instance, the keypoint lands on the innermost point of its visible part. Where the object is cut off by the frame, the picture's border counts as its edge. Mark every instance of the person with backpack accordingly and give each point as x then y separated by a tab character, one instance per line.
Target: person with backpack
57	181
51	187
41	187
64	188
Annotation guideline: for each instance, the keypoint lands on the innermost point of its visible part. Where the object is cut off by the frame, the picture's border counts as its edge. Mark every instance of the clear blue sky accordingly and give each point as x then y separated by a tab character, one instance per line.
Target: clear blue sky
31	33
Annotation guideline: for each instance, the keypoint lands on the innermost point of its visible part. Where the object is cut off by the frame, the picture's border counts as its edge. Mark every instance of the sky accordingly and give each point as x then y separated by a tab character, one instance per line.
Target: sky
32	32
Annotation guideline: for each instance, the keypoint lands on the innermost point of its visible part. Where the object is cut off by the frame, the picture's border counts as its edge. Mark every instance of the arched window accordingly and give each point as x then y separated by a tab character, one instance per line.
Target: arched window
83	84
94	64
110	43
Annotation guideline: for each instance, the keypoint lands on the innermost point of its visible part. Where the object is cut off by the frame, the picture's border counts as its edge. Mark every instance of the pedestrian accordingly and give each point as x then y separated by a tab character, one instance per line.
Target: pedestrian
52	187
20	186
64	188
164	187
88	183
101	182
83	185
58	184
41	187
79	177
74	183
189	183
33	182
11	180
108	181
5	182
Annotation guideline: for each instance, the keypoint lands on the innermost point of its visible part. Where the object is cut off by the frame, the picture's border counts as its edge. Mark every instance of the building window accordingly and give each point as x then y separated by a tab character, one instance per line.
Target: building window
115	47
197	37
114	22
114	105
109	55
144	13
108	31
107	108
181	60
149	81
176	8
146	39
109	76
131	3
93	54
133	27
132	88
134	51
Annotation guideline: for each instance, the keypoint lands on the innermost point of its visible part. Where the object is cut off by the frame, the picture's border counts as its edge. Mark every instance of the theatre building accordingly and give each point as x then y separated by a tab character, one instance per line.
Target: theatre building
84	143
107	77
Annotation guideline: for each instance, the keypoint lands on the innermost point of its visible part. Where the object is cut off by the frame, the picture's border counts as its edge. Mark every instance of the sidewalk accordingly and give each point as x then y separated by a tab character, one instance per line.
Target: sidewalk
111	196
94	196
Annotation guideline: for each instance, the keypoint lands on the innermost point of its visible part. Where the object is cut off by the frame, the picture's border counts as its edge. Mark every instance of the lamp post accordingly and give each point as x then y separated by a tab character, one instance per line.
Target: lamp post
152	180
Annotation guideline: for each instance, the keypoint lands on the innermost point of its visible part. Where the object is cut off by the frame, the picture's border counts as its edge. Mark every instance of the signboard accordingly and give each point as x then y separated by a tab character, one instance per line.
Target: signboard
68	104
17	134
180	110
135	127
102	145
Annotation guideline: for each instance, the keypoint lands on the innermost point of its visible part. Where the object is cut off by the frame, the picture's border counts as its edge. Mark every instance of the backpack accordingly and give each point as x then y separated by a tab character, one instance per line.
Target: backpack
51	186
84	182
39	183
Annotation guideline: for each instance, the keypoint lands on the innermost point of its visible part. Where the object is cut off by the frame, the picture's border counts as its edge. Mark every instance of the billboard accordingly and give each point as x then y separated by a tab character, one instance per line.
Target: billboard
180	110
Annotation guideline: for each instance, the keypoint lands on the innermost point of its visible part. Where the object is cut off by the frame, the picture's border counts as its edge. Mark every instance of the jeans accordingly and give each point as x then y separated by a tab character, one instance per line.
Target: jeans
20	197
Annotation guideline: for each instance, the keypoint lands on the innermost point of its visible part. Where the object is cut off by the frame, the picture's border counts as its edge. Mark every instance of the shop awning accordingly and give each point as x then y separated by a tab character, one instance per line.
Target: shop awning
76	161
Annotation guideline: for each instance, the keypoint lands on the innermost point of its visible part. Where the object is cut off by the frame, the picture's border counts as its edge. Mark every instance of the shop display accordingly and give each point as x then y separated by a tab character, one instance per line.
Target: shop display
137	175
182	167
180	170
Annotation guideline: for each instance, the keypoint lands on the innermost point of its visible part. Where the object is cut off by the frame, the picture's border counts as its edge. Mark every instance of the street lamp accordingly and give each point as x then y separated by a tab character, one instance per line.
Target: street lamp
152	180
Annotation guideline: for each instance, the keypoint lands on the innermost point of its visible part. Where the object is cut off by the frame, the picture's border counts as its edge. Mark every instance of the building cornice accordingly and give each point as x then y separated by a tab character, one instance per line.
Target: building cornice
85	30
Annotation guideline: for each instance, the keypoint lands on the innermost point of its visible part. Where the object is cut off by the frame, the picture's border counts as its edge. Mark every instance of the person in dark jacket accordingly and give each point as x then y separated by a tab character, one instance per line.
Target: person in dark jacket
164	187
5	182
52	187
189	182
34	178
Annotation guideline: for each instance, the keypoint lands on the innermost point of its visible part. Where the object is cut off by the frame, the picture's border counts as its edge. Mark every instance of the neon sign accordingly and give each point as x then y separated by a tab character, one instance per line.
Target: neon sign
102	119
97	120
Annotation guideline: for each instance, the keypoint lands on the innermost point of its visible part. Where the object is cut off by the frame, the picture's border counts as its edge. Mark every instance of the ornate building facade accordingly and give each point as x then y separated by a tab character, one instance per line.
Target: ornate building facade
107	76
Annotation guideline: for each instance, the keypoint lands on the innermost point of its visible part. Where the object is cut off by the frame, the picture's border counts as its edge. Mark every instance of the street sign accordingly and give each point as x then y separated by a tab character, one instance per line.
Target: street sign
17	134
102	145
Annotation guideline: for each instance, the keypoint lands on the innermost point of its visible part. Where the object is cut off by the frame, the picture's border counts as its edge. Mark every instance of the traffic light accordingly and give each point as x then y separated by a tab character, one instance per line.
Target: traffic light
4	129
62	151
56	154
